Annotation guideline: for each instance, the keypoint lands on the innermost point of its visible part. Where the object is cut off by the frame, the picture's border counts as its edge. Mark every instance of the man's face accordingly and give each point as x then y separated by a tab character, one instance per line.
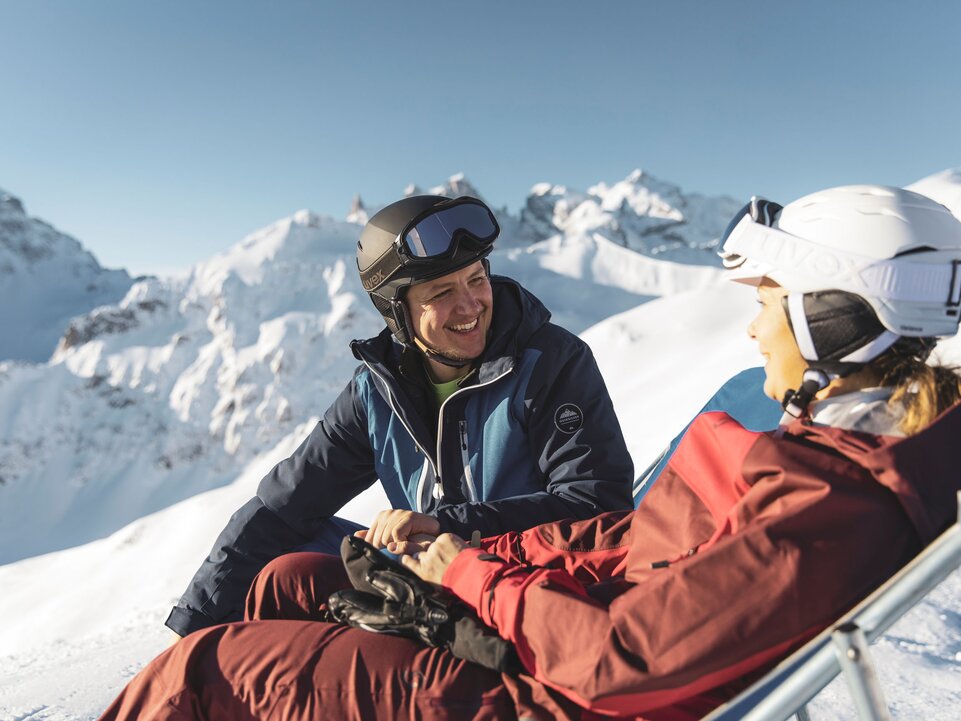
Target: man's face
452	314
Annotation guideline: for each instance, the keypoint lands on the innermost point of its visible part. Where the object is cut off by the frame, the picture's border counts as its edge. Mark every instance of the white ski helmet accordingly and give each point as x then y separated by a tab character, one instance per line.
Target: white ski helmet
895	249
864	266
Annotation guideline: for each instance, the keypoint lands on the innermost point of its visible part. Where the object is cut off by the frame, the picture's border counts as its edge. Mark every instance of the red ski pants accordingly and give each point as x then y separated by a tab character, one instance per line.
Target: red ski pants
306	670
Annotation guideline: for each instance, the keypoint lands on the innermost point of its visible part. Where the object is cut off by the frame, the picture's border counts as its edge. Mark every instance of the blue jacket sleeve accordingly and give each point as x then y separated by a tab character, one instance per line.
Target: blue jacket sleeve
330	467
576	439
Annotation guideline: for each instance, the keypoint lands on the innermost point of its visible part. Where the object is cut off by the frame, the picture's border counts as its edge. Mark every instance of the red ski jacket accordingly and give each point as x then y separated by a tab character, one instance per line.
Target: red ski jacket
747	546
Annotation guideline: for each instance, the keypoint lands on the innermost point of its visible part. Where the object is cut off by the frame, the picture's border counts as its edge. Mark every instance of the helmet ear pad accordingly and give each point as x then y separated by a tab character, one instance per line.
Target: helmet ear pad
402	327
395	315
831	326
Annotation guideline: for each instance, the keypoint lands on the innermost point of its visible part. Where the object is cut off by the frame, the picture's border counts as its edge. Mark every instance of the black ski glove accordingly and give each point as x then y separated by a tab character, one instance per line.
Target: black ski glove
389	598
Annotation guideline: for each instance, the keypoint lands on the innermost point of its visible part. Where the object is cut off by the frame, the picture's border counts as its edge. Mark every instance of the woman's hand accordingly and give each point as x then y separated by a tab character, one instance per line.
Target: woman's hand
431	564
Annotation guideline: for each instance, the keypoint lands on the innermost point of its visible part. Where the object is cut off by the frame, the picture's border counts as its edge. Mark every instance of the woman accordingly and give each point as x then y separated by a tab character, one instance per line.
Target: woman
748	545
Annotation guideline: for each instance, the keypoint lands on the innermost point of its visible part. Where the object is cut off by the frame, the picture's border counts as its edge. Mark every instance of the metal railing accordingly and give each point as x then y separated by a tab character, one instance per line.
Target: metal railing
786	689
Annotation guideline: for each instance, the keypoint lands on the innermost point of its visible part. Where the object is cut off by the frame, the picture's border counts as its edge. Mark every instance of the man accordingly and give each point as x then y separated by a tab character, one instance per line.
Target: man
474	411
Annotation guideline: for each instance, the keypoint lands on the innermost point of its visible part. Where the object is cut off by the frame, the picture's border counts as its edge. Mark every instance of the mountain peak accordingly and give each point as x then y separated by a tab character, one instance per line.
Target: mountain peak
640	212
47	277
456	186
358	211
10	204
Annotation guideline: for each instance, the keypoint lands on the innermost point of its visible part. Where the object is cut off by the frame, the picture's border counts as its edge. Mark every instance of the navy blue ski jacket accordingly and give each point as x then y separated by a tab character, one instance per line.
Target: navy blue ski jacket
529	437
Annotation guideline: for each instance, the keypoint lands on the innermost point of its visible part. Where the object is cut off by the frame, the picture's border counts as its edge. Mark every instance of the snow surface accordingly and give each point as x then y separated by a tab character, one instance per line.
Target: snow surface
121	458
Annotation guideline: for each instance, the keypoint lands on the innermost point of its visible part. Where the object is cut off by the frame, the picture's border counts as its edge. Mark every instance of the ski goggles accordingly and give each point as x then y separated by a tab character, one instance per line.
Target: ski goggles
751	247
760	211
439	232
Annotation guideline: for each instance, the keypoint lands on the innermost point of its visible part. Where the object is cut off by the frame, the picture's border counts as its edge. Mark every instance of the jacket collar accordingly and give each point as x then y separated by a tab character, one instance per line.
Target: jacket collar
866	410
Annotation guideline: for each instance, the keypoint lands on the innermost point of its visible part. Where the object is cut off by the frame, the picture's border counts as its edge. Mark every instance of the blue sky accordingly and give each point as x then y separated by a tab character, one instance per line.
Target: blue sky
161	133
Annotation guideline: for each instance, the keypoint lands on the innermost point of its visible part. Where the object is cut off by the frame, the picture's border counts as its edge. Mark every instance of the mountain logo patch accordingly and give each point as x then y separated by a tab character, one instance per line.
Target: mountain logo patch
568	418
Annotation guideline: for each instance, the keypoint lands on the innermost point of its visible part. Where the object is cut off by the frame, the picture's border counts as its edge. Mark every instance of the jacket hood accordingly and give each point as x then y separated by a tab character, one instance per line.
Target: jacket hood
517	315
921	470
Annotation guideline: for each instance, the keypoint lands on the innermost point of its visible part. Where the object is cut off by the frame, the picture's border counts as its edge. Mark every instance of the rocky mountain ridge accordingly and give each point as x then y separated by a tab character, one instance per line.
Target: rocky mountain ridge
46	278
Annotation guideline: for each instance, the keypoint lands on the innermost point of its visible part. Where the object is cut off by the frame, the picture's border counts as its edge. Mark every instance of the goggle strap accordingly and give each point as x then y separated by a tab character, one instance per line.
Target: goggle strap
895	280
381	270
764	211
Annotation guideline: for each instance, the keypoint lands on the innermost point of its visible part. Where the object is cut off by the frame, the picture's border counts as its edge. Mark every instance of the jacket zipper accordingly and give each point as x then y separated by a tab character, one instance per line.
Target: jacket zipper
438	490
465	459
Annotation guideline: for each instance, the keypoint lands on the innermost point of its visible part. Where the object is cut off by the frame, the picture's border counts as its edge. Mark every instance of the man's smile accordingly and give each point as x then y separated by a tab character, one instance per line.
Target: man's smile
464	327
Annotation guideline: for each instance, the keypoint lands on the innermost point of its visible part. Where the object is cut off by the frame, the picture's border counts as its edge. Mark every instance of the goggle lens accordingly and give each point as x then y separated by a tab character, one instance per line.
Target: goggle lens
761	211
433	236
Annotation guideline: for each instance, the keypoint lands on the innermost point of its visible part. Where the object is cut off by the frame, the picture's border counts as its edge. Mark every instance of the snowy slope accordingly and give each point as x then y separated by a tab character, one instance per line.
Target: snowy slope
46	278
158	416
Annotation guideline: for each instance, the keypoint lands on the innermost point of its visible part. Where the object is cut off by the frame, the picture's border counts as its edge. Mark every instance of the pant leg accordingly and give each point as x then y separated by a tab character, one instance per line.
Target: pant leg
295	586
308	671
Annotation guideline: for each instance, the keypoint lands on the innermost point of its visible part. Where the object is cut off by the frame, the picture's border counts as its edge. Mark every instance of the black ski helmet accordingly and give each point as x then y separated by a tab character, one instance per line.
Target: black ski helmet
456	232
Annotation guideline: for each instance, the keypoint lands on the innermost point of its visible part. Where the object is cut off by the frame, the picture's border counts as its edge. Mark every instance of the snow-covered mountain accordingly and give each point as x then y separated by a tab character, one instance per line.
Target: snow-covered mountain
647	215
642	213
173	390
157	416
46	278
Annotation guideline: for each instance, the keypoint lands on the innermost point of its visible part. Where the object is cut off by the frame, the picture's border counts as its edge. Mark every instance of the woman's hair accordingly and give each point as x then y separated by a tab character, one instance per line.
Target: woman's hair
924	391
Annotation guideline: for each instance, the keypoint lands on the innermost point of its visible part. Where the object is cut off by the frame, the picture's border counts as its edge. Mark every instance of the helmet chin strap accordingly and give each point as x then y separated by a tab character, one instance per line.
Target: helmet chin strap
813	381
438	356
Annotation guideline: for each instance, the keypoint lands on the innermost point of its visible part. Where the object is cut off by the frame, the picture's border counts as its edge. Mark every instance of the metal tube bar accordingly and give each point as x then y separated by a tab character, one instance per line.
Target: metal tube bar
854	655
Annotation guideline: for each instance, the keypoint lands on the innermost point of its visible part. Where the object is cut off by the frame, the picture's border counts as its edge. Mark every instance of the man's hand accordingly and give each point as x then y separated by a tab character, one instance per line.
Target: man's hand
395	526
416	543
431	564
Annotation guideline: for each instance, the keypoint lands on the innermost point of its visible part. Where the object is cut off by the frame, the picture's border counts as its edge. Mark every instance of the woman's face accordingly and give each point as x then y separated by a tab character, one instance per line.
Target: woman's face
784	365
